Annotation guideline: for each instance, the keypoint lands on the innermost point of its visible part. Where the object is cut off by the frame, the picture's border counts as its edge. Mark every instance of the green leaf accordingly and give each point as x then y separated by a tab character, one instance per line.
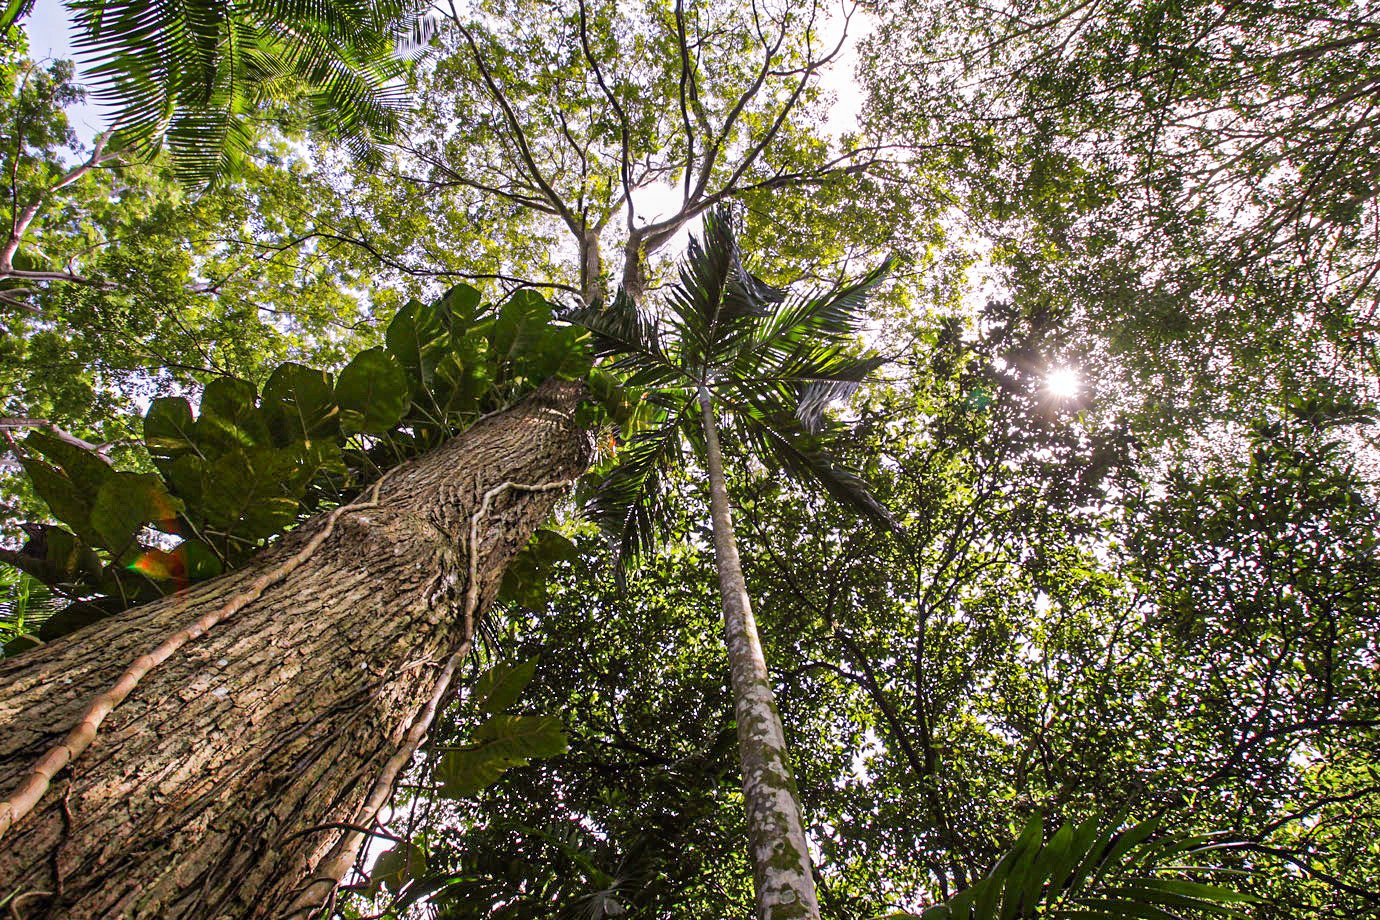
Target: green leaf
128	501
229	418
69	504
251	495
414	333
617	400
465	772
524	737
526	577
520	325
65	559
397	866
169	430
299	402
460	307
499	687
372	393
84	468
500	744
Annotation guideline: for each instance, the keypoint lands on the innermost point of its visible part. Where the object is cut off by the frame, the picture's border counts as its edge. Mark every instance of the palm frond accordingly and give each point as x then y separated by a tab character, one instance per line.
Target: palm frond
716	295
819	388
13	11
25	604
802	455
811	380
629	504
802	324
194	72
623	332
1098	870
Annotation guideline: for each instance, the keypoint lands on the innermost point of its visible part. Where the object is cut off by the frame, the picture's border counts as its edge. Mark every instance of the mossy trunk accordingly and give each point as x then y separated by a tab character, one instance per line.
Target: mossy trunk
218	788
784	882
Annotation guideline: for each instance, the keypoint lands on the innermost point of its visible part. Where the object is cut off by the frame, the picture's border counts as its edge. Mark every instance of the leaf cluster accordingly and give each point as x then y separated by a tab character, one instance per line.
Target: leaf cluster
197	74
251	464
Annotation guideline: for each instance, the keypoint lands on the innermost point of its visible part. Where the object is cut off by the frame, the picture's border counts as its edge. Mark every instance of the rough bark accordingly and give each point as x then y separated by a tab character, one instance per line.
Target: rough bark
782	876
209	791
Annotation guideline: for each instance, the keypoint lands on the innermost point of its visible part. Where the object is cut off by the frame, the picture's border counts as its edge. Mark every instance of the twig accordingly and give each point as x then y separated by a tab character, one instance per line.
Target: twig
36	783
100	450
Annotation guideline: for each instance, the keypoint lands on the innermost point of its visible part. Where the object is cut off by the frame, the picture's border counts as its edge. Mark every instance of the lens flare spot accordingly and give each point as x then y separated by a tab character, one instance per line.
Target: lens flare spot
1063	383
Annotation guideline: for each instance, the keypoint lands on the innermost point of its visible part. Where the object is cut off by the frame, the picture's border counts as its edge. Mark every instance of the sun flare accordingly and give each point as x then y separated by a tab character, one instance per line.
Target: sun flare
1063	382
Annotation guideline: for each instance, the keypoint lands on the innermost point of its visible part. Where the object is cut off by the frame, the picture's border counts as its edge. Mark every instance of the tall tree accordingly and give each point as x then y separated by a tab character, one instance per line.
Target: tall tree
305	678
587	135
731	343
1193	180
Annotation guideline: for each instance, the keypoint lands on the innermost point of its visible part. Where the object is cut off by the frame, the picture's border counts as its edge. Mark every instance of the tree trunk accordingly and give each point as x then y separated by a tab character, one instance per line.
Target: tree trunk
784	883
212	790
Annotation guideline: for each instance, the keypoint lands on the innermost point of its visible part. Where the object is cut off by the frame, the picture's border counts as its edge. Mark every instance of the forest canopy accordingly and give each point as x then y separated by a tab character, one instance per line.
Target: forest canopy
1025	357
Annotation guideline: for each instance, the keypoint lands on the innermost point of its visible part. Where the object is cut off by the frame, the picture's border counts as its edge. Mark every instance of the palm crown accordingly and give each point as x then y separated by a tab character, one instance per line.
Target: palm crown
771	360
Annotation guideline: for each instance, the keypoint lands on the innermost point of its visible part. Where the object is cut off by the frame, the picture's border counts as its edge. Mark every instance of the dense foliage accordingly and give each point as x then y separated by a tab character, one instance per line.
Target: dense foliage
251	464
1107	621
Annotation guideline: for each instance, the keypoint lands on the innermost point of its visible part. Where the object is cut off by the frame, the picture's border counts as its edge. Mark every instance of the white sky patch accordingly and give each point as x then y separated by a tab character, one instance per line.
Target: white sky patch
50	31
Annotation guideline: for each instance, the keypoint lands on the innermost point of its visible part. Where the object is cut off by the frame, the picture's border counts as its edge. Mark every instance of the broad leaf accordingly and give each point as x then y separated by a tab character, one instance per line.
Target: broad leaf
169	430
230	418
300	404
499	687
125	503
500	744
372	393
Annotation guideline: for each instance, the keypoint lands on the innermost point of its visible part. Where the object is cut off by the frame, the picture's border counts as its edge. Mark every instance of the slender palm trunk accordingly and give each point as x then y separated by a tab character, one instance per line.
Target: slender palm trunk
226	785
780	859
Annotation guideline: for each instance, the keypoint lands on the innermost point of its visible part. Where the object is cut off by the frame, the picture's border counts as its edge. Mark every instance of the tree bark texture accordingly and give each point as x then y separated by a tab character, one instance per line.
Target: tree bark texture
208	793
782	876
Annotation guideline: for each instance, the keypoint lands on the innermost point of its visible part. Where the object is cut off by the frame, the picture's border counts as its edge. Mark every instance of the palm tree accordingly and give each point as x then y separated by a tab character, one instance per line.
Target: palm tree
195	74
731	345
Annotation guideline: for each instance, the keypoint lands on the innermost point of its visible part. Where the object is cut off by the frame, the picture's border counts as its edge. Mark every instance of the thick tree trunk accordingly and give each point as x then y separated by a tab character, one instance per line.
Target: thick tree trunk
784	882
212	790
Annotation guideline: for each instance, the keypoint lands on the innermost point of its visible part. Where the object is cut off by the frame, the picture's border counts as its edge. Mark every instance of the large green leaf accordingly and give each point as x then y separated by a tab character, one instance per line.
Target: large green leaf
125	503
526	577
69	480
499	687
230	418
500	744
68	502
251	495
372	393
169	430
416	332
300	404
397	866
59	557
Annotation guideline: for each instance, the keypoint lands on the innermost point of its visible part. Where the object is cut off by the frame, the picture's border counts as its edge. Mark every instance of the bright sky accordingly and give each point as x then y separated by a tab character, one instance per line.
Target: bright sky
49	28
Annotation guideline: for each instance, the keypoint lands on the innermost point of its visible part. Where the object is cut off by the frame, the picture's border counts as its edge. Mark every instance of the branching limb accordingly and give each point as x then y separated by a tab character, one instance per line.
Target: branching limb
24	217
